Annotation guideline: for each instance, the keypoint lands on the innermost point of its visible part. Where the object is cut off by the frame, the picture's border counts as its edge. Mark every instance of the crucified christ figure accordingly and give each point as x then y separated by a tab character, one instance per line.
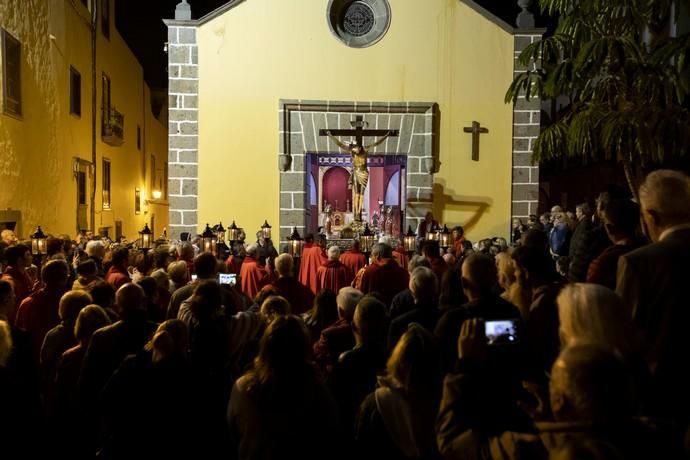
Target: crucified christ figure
360	173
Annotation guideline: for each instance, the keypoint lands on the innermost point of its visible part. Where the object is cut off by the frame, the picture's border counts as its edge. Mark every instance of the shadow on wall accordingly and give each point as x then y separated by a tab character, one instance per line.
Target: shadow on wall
446	198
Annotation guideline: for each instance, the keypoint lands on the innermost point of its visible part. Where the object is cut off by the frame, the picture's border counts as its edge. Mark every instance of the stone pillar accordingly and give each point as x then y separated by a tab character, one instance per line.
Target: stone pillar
526	129
183	133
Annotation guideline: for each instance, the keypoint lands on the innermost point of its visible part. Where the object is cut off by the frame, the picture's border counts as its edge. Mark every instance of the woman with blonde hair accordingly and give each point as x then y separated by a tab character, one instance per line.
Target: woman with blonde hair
397	420
513	291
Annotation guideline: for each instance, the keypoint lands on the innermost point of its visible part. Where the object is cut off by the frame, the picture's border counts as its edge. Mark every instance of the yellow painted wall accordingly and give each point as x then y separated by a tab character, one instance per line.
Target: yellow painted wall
443	51
37	151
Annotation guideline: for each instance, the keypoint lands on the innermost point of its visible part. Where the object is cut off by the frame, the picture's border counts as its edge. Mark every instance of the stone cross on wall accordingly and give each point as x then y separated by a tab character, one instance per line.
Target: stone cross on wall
476	129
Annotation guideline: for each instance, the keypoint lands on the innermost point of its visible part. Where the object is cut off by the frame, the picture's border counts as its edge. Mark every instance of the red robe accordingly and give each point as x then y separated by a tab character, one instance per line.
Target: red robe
38	314
353	260
385	277
300	297
233	264
253	277
22	285
117	278
312	258
400	256
333	275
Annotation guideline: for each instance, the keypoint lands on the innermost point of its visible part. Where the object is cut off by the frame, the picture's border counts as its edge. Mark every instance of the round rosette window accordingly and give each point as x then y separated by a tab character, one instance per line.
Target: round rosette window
359	23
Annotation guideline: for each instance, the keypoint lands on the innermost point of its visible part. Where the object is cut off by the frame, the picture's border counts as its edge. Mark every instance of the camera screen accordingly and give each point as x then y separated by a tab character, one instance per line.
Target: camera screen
501	332
227	278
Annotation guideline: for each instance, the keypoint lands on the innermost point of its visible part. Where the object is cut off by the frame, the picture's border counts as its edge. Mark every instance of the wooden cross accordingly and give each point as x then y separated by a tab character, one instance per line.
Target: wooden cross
359	132
476	129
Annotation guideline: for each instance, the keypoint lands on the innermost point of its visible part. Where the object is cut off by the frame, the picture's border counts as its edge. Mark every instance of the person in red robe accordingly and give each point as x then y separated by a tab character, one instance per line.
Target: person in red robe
313	256
353	259
300	297
253	277
233	264
333	274
38	313
400	256
118	275
18	259
384	275
432	251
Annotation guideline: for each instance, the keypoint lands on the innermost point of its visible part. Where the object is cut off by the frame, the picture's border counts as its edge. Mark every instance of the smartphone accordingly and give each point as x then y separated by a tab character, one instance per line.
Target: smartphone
227	278
193	277
501	332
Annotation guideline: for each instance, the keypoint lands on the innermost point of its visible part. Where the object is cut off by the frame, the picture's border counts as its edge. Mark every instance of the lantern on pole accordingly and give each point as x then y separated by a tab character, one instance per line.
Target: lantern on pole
410	241
295	244
233	233
432	234
366	241
220	233
444	238
38	242
266	230
208	239
145	238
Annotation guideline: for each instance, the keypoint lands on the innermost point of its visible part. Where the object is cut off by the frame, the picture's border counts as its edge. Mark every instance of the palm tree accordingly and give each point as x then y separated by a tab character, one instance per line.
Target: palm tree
626	78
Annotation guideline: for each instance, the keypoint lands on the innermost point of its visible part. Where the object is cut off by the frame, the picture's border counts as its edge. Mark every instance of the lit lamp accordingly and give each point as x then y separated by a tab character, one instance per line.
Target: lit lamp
295	244
410	241
444	238
431	234
145	237
233	233
366	241
266	230
208	239
220	233
156	194
38	242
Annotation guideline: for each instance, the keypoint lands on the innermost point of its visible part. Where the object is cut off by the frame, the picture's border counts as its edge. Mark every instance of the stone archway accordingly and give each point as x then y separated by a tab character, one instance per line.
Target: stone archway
300	122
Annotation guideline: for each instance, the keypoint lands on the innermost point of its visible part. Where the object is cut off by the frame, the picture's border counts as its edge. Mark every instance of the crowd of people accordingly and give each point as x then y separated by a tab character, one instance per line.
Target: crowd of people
115	353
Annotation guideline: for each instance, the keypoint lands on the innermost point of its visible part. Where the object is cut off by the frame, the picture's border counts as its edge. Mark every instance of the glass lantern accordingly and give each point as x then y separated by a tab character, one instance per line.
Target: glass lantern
366	240
145	237
410	241
444	238
220	233
233	233
266	230
208	239
38	242
295	244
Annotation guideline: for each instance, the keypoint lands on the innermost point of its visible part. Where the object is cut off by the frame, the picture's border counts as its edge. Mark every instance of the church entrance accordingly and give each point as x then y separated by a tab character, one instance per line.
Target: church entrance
315	174
330	193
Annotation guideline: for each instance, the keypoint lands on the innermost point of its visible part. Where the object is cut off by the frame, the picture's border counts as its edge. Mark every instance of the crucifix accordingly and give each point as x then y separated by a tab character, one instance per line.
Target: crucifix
476	129
360	173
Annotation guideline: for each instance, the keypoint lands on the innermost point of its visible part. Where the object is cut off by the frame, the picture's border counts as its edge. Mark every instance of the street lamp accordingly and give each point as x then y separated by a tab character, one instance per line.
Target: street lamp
366	241
38	242
444	238
208	239
145	237
266	230
295	244
410	241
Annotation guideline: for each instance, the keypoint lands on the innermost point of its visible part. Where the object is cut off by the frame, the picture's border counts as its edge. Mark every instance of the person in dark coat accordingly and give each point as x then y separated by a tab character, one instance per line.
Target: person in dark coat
424	289
588	242
338	337
653	281
403	302
384	275
322	314
300	296
396	421
280	408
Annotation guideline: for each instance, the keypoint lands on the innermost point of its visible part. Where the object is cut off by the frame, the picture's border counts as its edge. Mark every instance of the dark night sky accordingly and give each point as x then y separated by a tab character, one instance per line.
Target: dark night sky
140	24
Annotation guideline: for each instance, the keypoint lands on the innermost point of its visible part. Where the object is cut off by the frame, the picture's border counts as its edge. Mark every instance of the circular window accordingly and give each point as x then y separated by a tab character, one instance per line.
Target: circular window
358	19
359	23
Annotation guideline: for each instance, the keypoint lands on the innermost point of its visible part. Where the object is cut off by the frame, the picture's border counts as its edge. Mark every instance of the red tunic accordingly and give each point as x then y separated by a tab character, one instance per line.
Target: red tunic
38	314
117	278
300	297
400	256
253	277
312	258
385	277
233	264
353	260
333	275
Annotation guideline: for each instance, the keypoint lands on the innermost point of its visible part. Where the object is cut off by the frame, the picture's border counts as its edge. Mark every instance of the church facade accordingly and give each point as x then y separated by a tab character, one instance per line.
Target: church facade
256	83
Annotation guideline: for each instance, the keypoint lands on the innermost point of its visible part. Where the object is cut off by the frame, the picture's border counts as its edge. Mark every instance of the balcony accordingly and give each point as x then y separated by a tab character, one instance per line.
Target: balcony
113	127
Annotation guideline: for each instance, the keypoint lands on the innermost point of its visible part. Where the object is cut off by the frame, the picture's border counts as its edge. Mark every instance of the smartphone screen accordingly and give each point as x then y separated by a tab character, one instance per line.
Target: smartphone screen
227	278
193	277
501	332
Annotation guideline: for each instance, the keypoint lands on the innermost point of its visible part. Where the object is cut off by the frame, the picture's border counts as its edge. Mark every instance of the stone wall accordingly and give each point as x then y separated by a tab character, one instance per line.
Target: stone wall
526	129
299	125
183	138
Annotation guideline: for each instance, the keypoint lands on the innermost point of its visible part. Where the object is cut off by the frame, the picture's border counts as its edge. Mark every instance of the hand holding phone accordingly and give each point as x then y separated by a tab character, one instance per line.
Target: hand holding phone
472	341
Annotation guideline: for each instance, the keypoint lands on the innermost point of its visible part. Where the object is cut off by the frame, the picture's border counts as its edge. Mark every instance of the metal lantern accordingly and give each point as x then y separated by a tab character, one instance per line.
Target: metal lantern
208	239
220	233
266	230
366	240
444	237
295	243
410	241
431	235
38	242
145	237
233	233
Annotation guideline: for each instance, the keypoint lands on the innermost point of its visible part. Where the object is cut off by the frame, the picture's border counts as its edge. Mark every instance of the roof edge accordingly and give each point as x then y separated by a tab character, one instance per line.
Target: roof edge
490	16
204	19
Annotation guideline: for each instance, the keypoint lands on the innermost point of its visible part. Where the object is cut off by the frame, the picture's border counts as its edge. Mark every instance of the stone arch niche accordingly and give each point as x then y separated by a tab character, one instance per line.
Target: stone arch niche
300	122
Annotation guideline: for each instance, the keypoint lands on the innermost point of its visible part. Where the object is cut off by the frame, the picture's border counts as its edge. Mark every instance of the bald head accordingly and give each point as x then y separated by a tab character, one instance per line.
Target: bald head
129	298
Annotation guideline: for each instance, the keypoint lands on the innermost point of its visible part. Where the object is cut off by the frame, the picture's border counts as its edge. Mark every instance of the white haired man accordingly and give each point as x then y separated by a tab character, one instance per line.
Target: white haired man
333	274
653	282
338	337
